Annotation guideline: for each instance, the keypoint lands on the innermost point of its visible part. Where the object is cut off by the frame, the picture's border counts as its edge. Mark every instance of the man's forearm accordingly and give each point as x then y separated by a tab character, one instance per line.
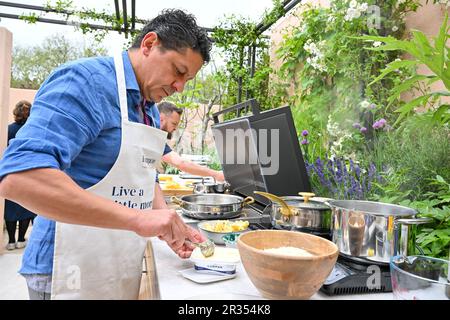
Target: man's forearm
196	169
54	195
175	160
158	200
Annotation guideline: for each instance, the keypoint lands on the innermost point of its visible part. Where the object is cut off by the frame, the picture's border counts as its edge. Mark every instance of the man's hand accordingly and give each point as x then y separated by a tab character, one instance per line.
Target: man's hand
186	250
167	225
219	176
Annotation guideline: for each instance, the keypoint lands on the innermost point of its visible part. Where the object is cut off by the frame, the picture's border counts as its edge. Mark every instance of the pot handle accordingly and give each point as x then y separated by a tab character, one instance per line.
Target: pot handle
248	200
405	241
413	221
306	196
175	200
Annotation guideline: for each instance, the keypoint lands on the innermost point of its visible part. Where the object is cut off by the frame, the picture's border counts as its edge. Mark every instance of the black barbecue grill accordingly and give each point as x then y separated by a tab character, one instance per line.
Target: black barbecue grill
260	151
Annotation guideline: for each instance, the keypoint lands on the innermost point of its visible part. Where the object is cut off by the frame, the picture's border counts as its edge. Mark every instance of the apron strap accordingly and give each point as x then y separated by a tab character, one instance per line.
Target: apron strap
120	77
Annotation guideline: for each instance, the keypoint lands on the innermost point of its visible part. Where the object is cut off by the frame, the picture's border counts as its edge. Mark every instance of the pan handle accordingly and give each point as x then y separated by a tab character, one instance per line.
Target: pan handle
175	200
248	200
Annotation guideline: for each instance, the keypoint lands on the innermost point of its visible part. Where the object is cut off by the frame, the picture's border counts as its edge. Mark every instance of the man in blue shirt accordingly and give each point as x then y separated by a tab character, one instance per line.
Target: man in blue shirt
86	131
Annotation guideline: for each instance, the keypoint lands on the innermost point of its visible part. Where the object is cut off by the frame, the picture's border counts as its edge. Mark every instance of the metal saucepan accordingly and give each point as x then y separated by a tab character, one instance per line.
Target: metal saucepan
373	230
306	215
212	206
210	187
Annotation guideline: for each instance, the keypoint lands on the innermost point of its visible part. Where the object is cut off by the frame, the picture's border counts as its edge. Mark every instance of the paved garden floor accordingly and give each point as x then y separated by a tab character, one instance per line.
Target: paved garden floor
12	284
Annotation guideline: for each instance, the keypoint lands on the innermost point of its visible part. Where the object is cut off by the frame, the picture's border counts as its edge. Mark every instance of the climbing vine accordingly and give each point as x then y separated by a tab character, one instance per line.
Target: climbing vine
84	18
238	37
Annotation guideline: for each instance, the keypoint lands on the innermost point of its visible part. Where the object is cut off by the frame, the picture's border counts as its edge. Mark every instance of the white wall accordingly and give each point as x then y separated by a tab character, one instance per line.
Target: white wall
5	80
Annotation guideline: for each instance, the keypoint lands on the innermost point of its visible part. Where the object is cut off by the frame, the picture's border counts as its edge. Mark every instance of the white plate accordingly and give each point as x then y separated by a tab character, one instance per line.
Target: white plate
199	277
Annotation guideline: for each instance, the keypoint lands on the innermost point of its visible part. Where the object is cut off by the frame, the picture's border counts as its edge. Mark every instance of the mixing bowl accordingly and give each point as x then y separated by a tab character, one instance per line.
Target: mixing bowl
283	274
419	278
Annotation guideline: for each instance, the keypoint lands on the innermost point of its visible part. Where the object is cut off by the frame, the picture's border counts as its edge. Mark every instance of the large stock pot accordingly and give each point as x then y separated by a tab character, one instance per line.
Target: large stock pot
374	230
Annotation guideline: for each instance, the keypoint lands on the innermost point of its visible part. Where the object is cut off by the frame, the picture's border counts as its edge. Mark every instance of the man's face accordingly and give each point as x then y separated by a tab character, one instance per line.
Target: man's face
170	123
164	72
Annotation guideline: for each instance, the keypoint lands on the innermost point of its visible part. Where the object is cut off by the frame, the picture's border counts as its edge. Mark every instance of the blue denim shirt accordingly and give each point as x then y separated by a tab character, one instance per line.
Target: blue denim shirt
74	126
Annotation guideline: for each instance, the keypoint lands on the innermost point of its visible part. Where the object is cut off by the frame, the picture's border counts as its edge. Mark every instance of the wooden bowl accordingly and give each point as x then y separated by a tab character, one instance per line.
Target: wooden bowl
279	276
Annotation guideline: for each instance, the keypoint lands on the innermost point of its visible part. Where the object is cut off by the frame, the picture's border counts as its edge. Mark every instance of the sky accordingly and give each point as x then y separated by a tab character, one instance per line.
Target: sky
208	12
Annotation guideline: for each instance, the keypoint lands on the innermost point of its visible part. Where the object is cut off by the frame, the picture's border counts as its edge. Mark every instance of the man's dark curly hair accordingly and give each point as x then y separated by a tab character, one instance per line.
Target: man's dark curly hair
177	30
21	111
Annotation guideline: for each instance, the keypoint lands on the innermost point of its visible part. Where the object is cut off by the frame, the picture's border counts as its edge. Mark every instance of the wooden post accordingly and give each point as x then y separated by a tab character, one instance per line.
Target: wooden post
149	282
5	83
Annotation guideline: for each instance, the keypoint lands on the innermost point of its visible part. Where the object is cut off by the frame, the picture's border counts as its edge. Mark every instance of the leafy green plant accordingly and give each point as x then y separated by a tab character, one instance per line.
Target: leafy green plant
215	161
325	72
434	237
83	18
436	57
31	18
168	169
417	150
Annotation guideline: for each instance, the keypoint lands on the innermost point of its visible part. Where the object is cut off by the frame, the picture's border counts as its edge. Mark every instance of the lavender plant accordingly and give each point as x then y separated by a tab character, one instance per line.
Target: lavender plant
342	179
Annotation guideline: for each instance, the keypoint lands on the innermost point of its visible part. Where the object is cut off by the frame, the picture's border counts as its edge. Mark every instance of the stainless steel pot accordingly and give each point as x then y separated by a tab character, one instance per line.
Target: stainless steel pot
374	230
311	216
212	206
209	187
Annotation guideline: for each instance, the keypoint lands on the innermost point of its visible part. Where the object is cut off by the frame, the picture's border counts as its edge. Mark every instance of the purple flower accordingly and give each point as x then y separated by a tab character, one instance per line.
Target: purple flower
372	106
338	180
363	130
305	133
357	171
379	124
372	170
357	125
305	142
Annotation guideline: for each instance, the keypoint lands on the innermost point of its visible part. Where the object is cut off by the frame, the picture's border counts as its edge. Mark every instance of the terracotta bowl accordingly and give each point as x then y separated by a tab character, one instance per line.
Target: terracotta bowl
279	276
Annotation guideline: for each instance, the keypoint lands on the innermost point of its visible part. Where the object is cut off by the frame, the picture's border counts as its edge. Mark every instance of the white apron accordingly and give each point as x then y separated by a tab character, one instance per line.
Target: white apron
98	263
